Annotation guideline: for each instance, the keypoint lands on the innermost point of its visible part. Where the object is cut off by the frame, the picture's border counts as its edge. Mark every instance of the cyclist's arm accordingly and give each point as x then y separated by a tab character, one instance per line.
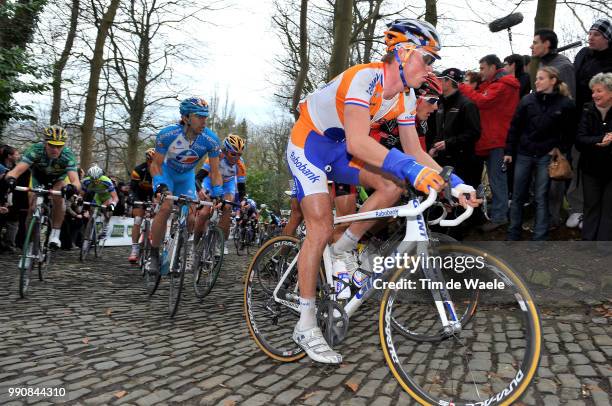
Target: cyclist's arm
156	165
74	179
18	170
215	173
358	140
114	197
411	146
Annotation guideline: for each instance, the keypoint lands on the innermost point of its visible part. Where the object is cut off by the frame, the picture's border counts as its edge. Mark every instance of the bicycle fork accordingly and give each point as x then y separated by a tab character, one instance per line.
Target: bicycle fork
442	299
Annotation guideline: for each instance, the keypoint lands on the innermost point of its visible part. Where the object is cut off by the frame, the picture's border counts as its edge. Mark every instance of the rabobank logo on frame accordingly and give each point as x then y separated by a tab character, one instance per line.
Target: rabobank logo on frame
303	167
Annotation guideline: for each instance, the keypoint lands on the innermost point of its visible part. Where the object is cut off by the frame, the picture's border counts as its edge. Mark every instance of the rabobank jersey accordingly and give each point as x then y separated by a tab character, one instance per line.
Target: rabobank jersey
360	85
181	155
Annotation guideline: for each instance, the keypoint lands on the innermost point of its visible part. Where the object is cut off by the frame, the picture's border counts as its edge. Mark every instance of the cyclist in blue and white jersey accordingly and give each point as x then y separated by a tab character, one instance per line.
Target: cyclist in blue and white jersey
178	150
231	172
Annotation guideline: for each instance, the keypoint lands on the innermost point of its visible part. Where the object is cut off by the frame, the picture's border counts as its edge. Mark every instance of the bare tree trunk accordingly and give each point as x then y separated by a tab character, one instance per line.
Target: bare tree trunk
431	12
58	67
301	78
91	102
343	25
545	18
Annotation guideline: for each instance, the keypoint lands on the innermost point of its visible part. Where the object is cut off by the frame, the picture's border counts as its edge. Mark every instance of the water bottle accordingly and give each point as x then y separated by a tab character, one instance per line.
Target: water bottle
342	281
359	278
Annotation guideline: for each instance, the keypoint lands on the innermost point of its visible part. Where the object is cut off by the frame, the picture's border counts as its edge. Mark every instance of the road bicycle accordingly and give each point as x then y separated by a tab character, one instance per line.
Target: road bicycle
439	348
91	237
36	245
208	254
244	236
175	251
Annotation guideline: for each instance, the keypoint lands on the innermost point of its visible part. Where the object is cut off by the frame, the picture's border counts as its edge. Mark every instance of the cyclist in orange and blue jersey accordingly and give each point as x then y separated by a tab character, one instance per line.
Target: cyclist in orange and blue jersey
331	140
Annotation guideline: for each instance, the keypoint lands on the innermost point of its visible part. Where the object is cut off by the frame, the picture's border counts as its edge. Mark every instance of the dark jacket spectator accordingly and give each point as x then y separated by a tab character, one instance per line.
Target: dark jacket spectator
594	140
457	125
542	122
515	65
496	100
591	60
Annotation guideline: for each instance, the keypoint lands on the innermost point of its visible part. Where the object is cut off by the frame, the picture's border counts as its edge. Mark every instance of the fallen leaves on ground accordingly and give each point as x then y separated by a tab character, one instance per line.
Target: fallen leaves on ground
120	394
352	386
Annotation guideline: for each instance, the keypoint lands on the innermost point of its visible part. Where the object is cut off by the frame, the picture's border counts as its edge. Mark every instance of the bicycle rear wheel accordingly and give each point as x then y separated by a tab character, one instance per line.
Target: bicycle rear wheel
210	257
177	274
26	263
271	323
491	359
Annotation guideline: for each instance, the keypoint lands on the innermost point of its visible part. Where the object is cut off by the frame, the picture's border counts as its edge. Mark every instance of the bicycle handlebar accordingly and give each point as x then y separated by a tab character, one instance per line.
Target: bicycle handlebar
186	199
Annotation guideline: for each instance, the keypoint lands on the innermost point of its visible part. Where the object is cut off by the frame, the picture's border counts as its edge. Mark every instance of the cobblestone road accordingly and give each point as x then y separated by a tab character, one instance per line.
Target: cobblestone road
91	330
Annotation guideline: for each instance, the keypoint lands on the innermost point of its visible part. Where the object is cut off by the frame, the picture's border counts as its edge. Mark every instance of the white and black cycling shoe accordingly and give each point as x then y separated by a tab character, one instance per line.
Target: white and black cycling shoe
313	342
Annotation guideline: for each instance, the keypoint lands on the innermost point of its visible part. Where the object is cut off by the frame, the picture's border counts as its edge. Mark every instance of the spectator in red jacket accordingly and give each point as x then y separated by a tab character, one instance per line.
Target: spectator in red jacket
496	98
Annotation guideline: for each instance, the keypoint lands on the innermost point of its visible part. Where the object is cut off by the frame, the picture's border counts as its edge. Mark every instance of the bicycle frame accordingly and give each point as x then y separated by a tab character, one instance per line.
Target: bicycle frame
38	213
416	237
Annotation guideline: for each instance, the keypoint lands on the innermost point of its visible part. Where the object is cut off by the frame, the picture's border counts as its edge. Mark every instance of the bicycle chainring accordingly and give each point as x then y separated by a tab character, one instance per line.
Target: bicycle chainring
333	321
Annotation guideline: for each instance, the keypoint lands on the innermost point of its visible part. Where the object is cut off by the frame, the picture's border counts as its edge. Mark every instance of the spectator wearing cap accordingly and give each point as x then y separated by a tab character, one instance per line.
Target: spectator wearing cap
515	65
591	60
544	120
594	140
496	99
544	46
454	130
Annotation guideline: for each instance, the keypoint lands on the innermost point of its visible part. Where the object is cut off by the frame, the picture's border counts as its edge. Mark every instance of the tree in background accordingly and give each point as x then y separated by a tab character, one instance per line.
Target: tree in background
18	20
96	63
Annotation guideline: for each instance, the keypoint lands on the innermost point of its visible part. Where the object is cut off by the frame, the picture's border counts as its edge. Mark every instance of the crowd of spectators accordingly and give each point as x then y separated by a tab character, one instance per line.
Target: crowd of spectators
494	119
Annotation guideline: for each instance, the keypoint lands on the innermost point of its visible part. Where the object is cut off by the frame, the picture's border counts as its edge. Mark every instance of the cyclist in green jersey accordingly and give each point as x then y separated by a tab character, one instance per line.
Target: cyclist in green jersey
50	162
99	187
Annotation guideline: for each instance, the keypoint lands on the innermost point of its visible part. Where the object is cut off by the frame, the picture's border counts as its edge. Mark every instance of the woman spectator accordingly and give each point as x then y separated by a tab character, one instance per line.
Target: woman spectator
514	65
593	140
543	120
472	79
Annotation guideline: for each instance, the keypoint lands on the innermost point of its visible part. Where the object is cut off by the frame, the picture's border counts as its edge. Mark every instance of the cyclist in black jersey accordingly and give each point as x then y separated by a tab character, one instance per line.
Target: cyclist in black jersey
141	189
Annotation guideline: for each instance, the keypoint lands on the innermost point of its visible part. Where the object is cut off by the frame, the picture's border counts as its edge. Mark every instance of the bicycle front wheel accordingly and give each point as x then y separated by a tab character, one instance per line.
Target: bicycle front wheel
490	360
210	257
87	239
30	256
45	261
177	275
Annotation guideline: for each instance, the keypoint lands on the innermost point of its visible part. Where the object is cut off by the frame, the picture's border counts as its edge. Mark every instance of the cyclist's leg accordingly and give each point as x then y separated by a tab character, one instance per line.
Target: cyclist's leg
345	203
103	200
386	192
226	220
295	218
308	154
58	212
138	214
158	227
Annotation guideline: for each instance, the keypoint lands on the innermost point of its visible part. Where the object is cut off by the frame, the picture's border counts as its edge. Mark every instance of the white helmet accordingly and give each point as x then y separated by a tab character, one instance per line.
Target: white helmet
263	206
95	172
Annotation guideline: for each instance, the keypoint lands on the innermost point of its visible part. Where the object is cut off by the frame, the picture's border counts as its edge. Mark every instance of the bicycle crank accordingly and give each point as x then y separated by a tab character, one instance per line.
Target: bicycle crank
333	321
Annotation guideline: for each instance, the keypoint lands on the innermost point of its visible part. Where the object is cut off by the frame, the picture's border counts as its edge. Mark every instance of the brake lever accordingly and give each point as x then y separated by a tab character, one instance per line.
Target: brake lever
445	174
